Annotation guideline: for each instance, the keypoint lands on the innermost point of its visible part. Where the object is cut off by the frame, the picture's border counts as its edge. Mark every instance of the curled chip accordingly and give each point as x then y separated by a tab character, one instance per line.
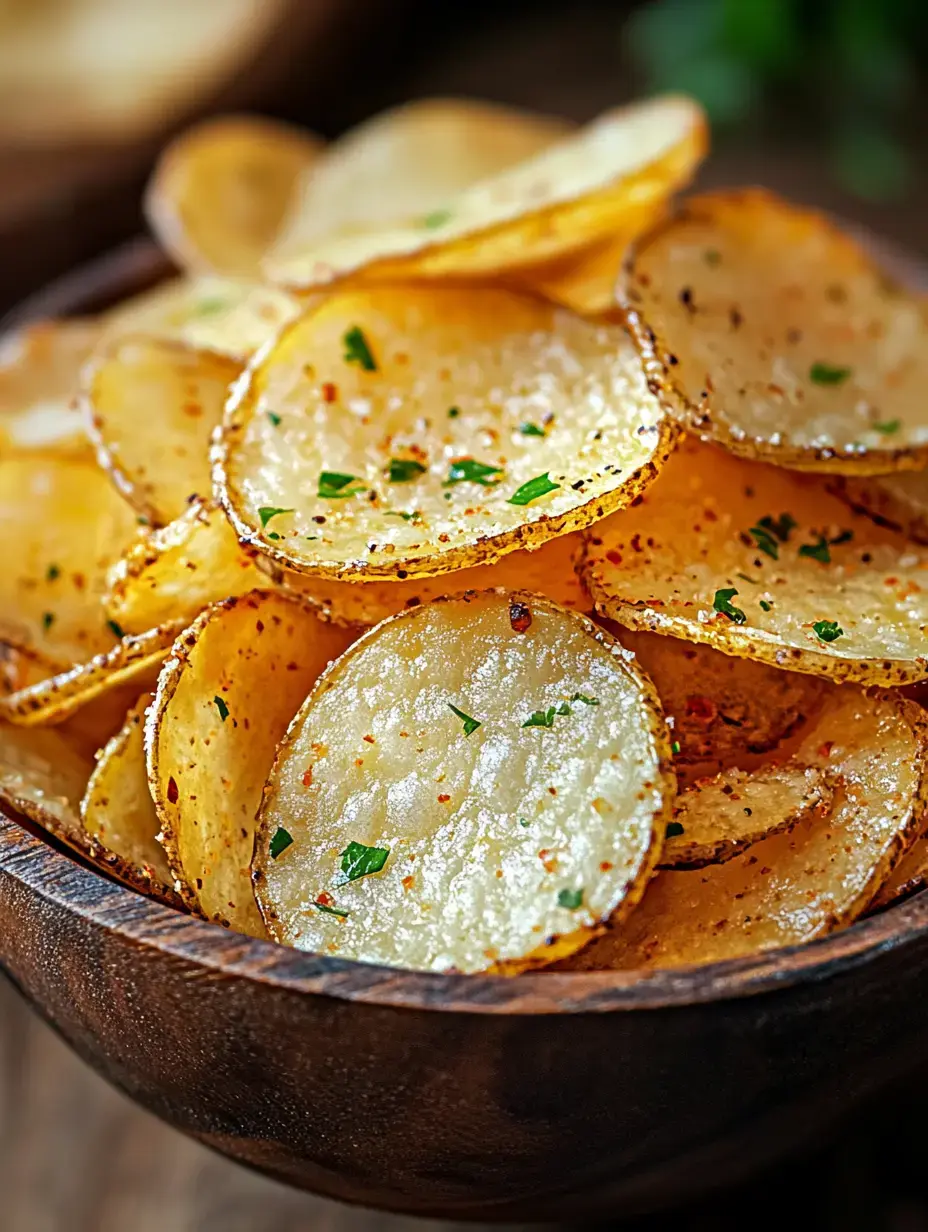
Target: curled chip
151	406
222	190
770	332
178	570
118	814
586	281
224	699
765	564
899	501
585	188
809	880
409	162
39	378
43	777
908	877
61	524
464	791
717	818
407	431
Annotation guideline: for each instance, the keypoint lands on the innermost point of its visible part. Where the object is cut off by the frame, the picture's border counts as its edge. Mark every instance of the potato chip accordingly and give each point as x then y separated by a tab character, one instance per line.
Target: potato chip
720	707
134	660
408	162
764	564
586	282
809	880
899	501
407	431
579	191
43	778
908	877
151	406
178	570
717	818
477	784
233	317
39	377
118	814
61	524
224	699
769	331
222	190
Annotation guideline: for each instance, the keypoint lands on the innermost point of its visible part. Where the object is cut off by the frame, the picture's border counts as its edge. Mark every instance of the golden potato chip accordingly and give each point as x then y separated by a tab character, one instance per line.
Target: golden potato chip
765	564
581	190
719	707
586	281
118	814
465	791
908	877
61	524
769	331
151	406
222	190
717	818
43	777
175	572
899	501
403	431
39	378
134	660
233	317
408	162
809	880
236	678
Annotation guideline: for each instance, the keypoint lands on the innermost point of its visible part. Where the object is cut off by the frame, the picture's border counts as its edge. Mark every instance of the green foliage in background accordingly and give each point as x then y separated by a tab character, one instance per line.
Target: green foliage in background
845	69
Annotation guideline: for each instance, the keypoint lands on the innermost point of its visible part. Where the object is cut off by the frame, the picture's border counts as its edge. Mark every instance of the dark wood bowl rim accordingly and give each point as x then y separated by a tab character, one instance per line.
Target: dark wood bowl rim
66	885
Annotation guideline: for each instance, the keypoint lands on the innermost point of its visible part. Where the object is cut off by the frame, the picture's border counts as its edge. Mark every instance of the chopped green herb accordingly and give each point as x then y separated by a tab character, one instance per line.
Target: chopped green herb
402	470
587	701
333	485
827	630
274	418
221	707
887	427
828	374
398	513
356	349
466	470
675	747
470	725
524	822
52	573
437	218
712	257
571	899
844	536
674	829
272	534
280	841
563	708
209	307
116	629
541	718
541	485
360	861
530	429
142	520
266	512
453	412
744	577
817	551
722	603
765	606
327	910
770	532
48	619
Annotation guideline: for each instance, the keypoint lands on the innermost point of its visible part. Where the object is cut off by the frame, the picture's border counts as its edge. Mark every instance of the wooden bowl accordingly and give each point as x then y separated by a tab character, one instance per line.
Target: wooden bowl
545	1097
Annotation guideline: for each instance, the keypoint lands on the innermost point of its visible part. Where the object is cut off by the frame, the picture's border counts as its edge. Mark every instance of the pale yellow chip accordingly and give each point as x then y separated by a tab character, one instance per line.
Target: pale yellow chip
150	407
462	792
61	525
899	501
39	379
222	190
769	331
407	431
810	880
577	192
233	317
408	162
118	814
720	707
43	777
717	818
224	699
766	564
132	661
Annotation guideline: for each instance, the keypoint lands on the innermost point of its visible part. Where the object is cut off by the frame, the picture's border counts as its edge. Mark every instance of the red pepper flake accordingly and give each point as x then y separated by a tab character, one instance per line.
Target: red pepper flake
172	790
614	558
825	749
702	708
520	617
325	899
605	866
370	740
308	777
443	799
408	882
329	391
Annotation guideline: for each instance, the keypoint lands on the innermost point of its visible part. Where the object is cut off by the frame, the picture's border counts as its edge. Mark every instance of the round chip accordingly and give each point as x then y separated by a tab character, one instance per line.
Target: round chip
407	431
575	193
221	191
478	784
899	501
61	524
772	333
808	881
43	777
765	564
151	406
717	818
224	699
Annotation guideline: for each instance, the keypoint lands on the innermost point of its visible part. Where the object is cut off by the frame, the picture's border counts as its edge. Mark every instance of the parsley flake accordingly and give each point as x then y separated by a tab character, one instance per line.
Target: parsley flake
333	485
415	516
356	349
541	485
453	412
266	512
712	257
524	822
116	629
765	606
827	630
327	910
587	701
209	307
52	573
221	707
280	841
570	899
466	470
722	603
48	619
470	724
541	718
817	551
274	418
828	374
360	861
770	532
675	747
674	830
887	427
530	429
402	470
437	218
